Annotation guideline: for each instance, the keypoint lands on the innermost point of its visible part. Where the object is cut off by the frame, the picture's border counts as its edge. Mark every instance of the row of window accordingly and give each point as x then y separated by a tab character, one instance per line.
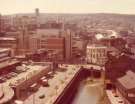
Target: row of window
96	61
97	55
97	51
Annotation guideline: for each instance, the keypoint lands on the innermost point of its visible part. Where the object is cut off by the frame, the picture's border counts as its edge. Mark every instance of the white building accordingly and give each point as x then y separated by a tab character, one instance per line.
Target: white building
96	54
5	54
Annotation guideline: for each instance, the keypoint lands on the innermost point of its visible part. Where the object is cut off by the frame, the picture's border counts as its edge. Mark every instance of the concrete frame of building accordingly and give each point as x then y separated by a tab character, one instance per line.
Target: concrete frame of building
96	54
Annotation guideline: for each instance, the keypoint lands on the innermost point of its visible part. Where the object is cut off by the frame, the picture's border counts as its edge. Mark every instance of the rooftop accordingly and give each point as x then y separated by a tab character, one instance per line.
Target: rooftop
7	38
4	49
128	81
8	63
96	46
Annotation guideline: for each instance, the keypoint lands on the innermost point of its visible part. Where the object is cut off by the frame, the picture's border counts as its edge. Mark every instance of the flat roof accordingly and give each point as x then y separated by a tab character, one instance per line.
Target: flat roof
7	63
128	81
4	49
7	38
96	46
33	70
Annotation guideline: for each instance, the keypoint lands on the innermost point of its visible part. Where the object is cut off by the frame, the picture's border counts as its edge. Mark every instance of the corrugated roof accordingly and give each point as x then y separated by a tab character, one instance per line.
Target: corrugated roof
128	81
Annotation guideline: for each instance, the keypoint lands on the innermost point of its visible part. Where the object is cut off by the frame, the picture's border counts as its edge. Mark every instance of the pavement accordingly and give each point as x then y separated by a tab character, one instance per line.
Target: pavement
1	91
112	98
8	94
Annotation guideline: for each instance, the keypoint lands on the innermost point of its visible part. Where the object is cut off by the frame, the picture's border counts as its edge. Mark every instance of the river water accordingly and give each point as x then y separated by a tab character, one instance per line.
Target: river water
89	93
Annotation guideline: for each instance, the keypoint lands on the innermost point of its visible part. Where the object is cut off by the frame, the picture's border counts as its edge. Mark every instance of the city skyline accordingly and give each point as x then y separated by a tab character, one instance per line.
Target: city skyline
64	6
67	52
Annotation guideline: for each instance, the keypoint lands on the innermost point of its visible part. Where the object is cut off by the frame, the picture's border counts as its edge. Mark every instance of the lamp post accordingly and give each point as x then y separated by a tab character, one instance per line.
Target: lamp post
33	98
103	78
92	74
1	87
102	73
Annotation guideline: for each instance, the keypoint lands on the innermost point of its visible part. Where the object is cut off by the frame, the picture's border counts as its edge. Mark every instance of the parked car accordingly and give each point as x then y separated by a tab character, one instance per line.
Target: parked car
34	87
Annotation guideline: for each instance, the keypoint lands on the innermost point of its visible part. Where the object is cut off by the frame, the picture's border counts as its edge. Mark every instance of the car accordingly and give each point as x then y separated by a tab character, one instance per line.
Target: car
18	72
13	74
45	82
18	102
8	76
42	96
49	75
1	81
34	87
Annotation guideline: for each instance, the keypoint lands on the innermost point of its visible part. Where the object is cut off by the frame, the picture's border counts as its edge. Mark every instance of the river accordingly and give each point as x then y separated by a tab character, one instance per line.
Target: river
90	93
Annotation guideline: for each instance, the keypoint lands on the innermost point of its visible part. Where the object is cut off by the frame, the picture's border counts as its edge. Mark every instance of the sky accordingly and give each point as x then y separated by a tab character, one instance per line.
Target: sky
68	6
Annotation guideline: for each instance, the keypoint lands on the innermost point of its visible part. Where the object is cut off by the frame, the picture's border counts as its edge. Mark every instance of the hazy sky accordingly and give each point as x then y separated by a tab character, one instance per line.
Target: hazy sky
68	6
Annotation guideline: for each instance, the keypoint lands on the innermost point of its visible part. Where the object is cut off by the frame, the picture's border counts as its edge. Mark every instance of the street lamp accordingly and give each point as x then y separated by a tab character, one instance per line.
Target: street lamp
92	74
33	98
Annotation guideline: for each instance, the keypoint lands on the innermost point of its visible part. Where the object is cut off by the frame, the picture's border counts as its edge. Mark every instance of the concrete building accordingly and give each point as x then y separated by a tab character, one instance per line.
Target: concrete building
37	11
96	54
24	39
5	54
18	22
54	44
37	17
26	76
30	77
34	44
0	23
78	46
126	87
68	45
56	39
78	43
20	41
49	32
118	43
7	23
6	42
6	62
51	29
